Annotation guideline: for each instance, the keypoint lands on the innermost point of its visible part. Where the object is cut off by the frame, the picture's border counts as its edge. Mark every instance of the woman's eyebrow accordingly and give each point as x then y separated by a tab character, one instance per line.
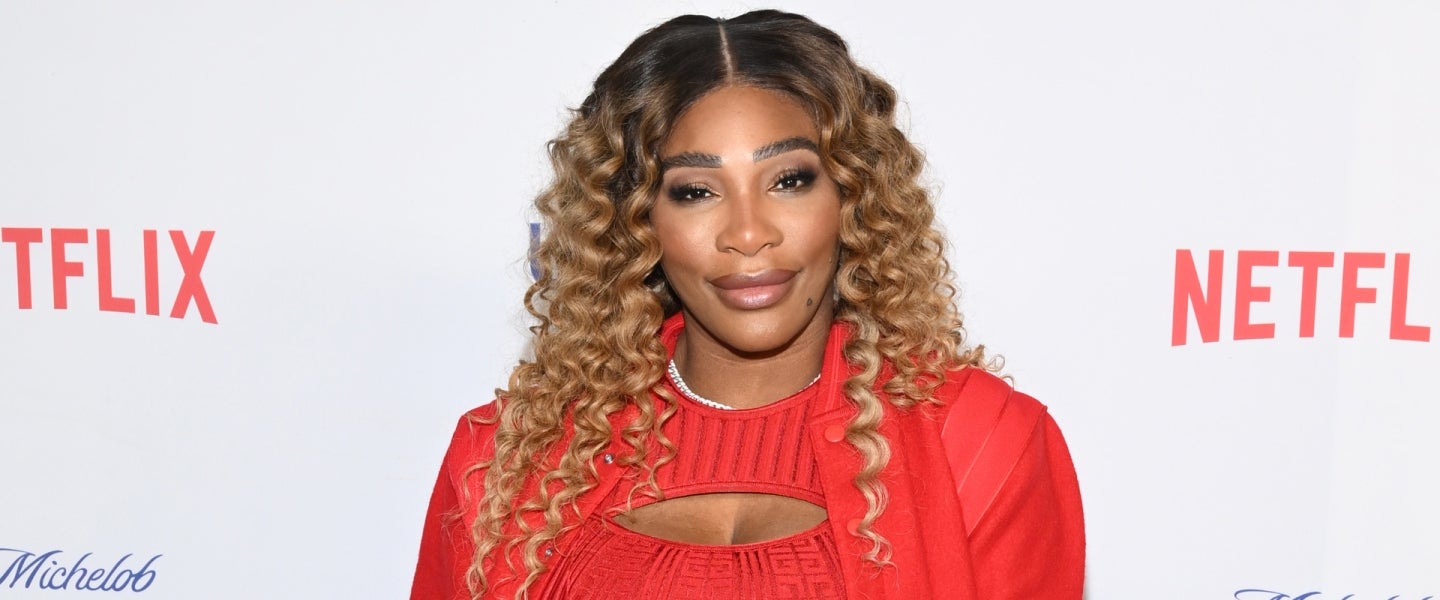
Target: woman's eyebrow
712	161
690	159
783	146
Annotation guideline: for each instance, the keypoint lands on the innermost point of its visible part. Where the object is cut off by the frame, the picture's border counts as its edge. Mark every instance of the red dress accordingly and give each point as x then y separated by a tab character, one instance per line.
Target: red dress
983	499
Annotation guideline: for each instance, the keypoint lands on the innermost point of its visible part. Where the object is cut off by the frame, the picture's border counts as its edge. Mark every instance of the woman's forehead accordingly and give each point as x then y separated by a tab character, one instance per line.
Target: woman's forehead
736	120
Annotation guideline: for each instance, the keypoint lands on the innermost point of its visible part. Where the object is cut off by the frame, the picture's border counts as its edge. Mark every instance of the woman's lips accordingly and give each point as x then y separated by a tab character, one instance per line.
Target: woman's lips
754	291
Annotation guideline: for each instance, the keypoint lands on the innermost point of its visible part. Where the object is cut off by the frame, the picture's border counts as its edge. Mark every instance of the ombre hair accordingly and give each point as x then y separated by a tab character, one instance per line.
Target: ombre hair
600	297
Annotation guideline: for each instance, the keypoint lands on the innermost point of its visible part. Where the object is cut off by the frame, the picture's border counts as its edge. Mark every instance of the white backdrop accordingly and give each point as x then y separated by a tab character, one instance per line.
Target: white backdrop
365	169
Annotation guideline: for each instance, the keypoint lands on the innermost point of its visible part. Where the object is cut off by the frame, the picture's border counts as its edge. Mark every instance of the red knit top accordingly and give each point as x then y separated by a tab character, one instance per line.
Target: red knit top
763	450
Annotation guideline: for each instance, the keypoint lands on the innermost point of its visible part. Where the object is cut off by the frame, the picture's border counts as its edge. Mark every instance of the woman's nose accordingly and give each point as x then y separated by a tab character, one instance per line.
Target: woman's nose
749	225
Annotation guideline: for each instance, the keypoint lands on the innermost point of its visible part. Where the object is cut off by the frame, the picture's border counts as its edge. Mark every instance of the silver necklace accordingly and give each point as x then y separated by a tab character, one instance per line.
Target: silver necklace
688	393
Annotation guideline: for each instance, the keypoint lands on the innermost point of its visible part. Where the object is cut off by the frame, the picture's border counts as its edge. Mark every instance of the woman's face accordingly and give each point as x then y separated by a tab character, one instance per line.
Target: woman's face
748	220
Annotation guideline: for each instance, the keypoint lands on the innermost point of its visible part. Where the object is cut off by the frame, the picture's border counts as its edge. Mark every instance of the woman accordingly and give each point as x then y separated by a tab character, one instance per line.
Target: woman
749	376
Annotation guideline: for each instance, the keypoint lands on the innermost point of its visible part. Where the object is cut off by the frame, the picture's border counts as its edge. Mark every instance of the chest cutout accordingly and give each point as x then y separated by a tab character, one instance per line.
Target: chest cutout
723	519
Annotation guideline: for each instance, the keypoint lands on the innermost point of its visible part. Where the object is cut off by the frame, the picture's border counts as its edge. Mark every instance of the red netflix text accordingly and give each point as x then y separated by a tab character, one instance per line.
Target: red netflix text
64	244
1203	298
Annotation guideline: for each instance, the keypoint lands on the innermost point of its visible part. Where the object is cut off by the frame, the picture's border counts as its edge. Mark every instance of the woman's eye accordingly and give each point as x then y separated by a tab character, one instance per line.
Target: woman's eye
689	193
794	180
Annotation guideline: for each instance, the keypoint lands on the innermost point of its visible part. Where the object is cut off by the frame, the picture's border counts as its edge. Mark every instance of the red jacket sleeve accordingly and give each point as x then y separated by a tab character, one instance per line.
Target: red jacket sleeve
1030	541
445	545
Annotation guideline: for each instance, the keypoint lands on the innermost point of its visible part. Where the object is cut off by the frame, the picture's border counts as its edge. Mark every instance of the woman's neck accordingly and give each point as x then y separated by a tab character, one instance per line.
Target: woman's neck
716	372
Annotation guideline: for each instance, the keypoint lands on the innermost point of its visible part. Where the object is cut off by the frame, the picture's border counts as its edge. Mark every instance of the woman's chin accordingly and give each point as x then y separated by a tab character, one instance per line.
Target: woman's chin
758	335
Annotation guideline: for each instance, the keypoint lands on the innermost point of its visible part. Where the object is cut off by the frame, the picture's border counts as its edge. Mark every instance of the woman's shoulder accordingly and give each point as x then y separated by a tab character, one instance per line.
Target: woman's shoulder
972	393
977	405
474	437
974	408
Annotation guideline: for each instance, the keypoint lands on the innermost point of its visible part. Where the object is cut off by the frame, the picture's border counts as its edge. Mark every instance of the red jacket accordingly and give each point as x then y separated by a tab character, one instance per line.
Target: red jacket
984	504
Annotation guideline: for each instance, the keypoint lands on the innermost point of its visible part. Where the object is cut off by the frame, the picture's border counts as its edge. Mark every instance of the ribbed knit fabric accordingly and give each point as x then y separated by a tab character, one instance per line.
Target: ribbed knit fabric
761	450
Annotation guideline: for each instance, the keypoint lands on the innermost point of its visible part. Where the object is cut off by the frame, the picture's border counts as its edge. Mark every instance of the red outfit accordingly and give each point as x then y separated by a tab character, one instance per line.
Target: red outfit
984	504
761	450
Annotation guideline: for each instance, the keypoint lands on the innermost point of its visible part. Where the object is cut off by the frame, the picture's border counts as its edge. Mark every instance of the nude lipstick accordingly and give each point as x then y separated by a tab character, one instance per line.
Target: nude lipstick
754	291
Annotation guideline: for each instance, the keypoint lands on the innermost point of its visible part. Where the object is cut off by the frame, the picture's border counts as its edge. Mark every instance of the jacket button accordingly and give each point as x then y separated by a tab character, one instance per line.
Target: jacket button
854	527
609	459
835	433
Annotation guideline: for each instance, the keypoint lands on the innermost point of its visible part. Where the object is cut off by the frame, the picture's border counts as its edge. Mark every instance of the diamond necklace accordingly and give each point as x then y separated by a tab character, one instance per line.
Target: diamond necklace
685	389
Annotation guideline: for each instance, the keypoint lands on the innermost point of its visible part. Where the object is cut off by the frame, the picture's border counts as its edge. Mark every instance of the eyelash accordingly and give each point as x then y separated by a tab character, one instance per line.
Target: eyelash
682	193
693	192
802	178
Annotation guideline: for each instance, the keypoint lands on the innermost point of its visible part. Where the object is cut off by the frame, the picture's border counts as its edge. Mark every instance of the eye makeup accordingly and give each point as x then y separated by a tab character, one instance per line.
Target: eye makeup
688	192
795	179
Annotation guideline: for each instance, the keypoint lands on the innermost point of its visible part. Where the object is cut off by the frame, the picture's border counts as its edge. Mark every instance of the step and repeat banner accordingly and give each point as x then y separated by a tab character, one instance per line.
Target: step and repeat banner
256	258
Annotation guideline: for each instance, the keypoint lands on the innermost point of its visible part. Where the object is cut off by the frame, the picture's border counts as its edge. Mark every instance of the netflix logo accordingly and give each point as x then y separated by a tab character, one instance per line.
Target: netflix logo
1202	298
65	246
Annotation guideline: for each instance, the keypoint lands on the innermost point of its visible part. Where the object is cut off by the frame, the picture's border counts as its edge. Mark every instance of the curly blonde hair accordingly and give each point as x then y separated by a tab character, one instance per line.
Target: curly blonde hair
600	297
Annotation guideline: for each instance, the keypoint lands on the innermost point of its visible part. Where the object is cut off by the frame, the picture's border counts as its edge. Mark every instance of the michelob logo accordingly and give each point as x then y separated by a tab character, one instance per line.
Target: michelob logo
64	244
52	571
1203	299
